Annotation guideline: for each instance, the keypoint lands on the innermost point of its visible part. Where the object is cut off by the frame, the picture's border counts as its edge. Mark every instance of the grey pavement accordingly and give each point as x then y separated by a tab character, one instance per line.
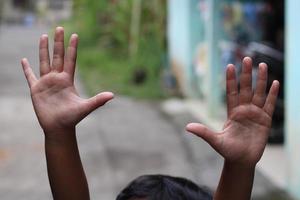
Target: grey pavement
123	140
22	162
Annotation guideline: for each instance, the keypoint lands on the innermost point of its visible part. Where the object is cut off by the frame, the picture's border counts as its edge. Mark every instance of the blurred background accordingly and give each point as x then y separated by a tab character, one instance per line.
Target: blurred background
166	60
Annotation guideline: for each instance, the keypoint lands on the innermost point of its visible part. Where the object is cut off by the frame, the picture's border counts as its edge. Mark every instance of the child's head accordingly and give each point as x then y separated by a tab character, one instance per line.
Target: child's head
162	187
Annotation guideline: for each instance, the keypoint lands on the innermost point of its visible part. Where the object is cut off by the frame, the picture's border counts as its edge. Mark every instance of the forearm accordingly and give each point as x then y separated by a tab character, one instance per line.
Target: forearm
66	175
235	183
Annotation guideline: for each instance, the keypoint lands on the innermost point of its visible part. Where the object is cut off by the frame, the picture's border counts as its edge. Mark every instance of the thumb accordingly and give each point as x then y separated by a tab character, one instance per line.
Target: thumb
205	133
97	101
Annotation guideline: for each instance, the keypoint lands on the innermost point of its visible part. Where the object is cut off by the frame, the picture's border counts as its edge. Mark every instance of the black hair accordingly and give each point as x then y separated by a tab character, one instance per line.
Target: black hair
163	187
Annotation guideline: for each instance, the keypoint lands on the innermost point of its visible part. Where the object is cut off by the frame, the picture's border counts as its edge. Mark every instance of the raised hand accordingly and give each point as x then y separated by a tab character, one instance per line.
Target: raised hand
55	100
245	133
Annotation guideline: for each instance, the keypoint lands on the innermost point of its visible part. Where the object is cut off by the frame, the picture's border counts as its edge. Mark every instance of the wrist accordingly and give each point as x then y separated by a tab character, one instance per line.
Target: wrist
60	136
239	166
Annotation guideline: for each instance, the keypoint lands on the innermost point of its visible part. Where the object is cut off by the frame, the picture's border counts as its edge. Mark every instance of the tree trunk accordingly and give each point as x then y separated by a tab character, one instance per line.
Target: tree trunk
135	27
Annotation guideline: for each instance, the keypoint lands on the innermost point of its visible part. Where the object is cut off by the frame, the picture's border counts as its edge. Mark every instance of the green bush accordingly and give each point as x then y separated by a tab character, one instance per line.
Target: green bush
105	33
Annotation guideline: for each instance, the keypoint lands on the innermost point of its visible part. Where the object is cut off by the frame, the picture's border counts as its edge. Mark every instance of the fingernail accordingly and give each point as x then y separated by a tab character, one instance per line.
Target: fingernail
59	28
190	126
108	94
276	82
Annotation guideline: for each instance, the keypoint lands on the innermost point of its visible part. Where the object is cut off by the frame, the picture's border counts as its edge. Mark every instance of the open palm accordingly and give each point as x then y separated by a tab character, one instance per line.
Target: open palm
246	130
55	99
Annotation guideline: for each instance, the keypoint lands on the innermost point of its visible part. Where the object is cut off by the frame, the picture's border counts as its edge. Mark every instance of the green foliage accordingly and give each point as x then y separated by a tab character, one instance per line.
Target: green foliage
103	71
105	36
102	23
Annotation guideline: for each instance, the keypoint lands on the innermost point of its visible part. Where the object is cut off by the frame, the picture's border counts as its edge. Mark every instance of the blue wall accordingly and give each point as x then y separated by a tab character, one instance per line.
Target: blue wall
178	31
292	95
185	32
178	37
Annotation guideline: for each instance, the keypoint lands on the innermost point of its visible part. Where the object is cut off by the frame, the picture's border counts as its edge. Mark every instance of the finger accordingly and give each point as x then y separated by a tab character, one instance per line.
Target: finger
271	98
231	89
97	101
260	91
70	59
246	82
44	55
29	74
58	51
206	134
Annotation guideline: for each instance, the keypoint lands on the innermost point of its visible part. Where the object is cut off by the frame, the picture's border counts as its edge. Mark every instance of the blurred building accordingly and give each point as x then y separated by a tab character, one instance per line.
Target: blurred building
292	95
30	11
13	11
206	35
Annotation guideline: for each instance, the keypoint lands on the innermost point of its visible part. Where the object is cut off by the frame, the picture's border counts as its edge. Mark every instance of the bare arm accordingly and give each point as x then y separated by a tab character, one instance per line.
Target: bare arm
245	134
236	182
65	171
59	108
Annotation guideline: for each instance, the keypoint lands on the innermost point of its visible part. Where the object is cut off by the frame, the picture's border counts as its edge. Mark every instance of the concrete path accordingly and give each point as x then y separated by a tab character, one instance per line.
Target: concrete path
125	139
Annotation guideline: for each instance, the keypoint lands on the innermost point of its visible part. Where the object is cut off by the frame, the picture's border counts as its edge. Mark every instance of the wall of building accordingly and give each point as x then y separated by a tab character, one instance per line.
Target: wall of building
36	10
193	49
293	95
179	41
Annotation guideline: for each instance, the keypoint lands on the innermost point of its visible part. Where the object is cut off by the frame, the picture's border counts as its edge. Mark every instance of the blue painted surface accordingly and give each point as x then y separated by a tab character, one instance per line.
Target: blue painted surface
184	34
178	30
186	31
292	95
197	36
178	35
214	96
